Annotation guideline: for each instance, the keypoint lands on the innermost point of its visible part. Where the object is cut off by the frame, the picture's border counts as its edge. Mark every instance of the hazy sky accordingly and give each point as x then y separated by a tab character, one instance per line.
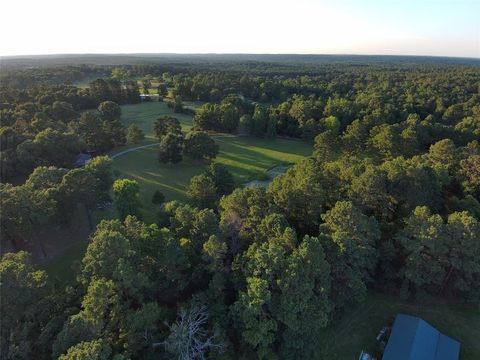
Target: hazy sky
415	27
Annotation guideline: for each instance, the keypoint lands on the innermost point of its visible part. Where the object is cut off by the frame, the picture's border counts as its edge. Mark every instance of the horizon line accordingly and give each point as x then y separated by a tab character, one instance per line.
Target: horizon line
232	53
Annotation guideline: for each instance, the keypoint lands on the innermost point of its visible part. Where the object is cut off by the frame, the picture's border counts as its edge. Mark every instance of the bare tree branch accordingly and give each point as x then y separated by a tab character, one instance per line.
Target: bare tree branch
188	337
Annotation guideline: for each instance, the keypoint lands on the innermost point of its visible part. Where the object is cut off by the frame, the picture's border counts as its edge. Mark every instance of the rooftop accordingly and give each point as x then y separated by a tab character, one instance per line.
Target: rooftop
414	339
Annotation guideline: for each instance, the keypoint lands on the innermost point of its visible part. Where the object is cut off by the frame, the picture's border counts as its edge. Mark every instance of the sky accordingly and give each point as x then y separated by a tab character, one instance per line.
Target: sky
394	27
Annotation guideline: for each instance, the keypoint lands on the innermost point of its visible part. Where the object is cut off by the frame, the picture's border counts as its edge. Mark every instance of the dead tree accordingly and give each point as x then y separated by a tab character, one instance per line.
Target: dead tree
188	337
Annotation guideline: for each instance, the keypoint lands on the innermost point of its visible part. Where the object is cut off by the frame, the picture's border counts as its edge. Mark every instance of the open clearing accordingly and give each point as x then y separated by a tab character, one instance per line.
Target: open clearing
144	114
245	157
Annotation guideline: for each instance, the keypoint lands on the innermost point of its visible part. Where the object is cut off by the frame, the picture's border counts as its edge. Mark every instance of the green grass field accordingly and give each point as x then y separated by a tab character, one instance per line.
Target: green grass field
144	114
245	157
357	329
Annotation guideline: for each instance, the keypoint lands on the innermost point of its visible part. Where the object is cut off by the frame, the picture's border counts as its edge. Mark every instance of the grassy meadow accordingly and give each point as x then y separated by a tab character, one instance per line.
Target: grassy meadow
246	157
144	114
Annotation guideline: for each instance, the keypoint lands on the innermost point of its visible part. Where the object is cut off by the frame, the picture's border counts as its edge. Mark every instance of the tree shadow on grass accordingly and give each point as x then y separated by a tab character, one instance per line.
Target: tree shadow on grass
250	157
290	146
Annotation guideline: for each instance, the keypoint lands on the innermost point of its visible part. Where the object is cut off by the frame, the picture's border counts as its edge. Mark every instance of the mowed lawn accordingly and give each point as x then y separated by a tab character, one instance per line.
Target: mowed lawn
144	114
357	329
246	157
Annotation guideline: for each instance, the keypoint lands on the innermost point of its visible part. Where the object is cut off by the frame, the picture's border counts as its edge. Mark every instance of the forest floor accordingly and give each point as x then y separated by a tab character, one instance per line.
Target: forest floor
357	329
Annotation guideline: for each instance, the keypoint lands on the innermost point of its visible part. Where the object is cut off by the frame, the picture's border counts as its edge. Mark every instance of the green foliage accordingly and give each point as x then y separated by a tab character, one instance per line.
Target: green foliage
171	148
202	192
75	330
206	189
325	145
286	297
441	256
134	134
125	193
422	239
49	147
245	124
108	246
241	213
101	168
370	189
116	132
177	105
463	232
223	179
444	152
386	140
469	174
199	146
230	116
193	223
355	135
214	252
23	289
101	305
220	117
24	211
141	328
259	121
92	350
166	124
413	183
469	203
206	117
304	304
332	124
351	239
110	110
300	194
119	73
93	132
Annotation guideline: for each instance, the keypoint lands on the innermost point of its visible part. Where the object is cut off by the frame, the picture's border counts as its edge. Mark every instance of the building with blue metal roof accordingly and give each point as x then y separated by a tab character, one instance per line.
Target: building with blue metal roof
414	339
82	159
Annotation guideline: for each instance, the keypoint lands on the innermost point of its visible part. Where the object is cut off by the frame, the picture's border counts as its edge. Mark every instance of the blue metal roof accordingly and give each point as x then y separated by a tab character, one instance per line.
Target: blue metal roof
82	159
414	339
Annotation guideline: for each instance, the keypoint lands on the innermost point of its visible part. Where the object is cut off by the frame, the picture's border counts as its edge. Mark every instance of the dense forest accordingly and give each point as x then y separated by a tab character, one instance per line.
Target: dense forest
389	200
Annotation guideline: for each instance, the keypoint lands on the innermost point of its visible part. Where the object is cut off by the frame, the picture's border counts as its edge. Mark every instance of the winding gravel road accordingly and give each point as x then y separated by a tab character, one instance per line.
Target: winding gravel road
133	149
